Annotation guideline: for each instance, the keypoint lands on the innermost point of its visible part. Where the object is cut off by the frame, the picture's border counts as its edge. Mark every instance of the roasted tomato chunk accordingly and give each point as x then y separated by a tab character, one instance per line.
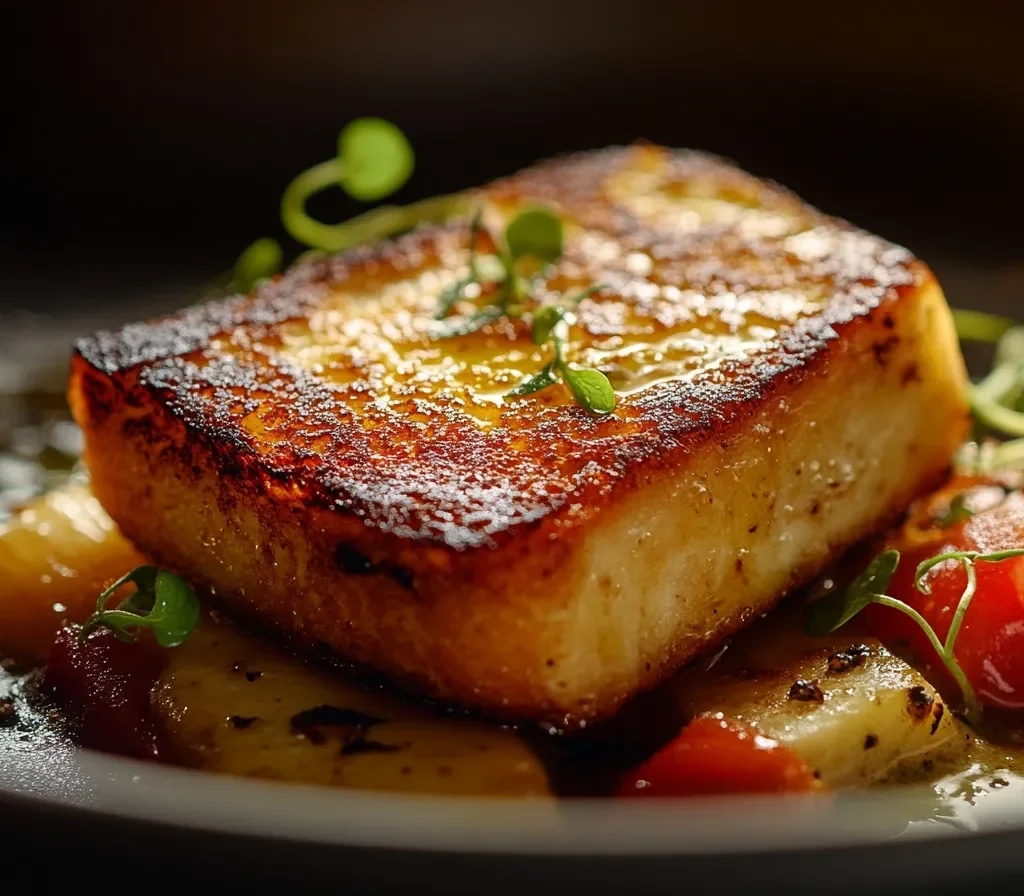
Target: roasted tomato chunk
713	755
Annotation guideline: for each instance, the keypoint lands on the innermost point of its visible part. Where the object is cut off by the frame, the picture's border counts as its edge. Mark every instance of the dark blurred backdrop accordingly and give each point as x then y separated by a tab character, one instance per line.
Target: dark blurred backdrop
146	142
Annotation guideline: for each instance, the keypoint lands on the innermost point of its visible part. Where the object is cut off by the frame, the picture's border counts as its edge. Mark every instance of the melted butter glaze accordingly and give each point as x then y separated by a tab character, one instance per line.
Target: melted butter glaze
722	289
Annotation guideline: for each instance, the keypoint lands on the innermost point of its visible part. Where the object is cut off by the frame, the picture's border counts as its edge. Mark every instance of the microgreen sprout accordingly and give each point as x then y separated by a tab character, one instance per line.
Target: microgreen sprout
374	160
839	607
161	602
957	512
589	387
996	401
259	261
535	234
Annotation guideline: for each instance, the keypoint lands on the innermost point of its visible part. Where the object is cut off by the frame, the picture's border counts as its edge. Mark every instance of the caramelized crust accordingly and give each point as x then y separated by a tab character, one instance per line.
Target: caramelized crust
326	407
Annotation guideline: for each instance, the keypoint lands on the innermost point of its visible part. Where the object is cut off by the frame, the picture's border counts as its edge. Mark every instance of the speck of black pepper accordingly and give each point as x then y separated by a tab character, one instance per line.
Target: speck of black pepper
919	702
243	722
350	723
806	691
871	741
840	662
362	745
253	675
402	576
351	561
8	713
997	783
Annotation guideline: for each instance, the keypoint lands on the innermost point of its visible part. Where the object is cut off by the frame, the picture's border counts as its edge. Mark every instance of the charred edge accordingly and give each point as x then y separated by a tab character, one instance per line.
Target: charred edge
939	710
882	350
911	374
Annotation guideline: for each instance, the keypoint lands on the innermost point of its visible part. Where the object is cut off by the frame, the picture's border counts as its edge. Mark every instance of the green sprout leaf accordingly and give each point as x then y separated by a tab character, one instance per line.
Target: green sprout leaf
541	380
590	388
175	610
471	324
978	326
258	261
835	610
545	319
162	602
957	512
535	232
376	158
839	607
450	296
1010	348
578	297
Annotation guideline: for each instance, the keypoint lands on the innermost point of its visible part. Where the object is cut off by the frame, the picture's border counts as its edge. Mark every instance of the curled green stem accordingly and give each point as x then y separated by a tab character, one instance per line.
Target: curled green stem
369	227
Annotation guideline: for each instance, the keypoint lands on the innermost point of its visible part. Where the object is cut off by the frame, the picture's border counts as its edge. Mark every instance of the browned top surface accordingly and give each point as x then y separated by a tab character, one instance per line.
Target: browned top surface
721	287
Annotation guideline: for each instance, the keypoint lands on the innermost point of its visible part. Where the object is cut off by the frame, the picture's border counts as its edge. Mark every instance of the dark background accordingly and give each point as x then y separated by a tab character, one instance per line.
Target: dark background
145	143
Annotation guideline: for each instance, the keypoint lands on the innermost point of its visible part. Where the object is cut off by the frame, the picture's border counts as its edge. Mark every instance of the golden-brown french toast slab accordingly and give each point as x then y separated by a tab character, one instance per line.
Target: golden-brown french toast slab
320	458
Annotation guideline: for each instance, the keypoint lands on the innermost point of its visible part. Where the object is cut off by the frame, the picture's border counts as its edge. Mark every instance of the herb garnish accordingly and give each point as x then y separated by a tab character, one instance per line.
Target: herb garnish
997	401
838	608
535	234
589	387
162	602
258	261
957	512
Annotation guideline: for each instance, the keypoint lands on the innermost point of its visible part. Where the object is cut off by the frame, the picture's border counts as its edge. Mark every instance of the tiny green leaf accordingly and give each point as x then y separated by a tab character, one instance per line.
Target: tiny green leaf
537	232
175	610
545	319
540	380
258	261
489	269
162	602
477	321
446	301
979	326
839	607
590	388
1010	348
957	512
578	297
376	158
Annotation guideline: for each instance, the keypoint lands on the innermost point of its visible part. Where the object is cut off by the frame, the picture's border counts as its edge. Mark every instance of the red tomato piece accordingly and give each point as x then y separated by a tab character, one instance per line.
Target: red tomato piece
104	686
990	646
713	755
